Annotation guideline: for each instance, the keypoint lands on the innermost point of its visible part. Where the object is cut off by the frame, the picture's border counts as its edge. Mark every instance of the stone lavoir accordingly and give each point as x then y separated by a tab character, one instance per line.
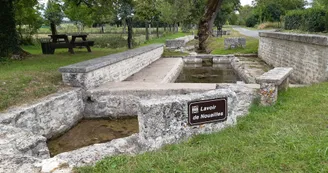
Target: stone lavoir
101	92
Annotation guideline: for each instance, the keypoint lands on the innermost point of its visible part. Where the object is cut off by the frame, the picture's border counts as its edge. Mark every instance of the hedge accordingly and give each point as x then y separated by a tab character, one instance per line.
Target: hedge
312	20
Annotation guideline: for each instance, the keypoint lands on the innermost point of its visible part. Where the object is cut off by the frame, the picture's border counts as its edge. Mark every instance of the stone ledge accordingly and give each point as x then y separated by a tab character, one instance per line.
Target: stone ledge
276	75
304	38
97	63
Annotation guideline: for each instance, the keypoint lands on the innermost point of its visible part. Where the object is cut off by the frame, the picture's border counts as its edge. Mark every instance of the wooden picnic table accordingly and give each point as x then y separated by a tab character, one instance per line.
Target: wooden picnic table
62	41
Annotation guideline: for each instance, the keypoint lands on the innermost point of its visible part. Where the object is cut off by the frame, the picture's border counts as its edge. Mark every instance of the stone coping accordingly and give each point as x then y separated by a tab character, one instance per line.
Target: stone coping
276	75
304	38
93	64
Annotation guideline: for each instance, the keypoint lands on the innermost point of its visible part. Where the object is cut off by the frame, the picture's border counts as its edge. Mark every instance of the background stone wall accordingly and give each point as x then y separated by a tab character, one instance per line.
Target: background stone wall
306	54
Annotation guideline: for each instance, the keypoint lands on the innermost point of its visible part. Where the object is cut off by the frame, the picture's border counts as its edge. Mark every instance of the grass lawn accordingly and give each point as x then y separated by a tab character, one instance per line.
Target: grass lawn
291	136
216	45
38	76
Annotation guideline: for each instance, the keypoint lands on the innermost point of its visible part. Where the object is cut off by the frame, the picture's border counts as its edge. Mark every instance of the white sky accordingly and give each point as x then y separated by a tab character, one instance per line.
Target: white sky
246	2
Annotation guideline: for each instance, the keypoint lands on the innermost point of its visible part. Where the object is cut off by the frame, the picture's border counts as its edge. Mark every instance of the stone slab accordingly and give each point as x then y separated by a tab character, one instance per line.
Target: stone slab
276	75
97	63
164	70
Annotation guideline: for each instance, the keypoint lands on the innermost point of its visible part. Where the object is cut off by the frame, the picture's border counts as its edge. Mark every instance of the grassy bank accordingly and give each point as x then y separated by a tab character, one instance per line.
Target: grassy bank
38	76
288	137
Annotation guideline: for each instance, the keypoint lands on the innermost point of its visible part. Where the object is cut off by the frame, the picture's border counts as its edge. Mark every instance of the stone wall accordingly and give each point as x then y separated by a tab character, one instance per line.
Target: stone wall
115	67
49	117
178	42
306	54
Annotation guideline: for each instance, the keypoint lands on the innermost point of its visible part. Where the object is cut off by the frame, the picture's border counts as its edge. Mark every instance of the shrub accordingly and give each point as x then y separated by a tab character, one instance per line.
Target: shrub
294	19
314	20
251	21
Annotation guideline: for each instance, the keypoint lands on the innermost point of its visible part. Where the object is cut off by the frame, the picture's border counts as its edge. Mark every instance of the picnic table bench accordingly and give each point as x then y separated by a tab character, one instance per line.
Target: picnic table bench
62	41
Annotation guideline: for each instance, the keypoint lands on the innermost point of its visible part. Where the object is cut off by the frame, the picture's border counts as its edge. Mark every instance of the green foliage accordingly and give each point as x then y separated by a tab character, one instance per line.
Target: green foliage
314	20
311	20
251	21
81	14
53	12
272	12
226	12
28	19
294	19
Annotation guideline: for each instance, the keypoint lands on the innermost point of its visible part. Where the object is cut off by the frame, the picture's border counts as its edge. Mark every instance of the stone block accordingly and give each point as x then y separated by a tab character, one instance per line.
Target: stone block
50	117
268	93
232	43
165	120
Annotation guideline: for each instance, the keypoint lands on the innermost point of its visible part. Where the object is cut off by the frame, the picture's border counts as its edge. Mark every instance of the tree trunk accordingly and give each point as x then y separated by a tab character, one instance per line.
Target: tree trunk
157	30
147	31
8	35
53	28
206	22
124	27
129	23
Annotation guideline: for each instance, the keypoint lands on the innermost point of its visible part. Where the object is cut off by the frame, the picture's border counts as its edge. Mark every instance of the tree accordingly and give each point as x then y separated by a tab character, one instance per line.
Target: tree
146	11
227	9
80	15
54	15
206	22
166	12
28	19
8	35
125	10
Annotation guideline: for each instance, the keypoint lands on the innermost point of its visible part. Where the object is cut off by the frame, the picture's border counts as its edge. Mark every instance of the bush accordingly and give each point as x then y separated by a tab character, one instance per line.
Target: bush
294	19
312	20
251	21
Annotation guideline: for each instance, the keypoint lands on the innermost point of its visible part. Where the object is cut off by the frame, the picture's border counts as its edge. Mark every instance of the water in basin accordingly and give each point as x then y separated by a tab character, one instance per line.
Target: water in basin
89	132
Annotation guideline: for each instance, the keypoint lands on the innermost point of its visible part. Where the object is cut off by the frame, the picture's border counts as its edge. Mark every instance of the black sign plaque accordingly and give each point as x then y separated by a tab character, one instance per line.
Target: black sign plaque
207	111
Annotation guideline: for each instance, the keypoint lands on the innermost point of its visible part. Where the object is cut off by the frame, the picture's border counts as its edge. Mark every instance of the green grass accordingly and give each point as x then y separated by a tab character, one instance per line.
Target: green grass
216	45
164	38
37	76
291	136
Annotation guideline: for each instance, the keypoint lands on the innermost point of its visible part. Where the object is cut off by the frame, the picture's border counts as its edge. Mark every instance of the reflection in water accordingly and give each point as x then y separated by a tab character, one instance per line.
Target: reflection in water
89	132
218	73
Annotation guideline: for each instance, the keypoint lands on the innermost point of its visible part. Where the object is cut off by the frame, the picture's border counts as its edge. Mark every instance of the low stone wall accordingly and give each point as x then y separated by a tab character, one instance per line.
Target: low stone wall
165	120
115	67
178	42
49	117
306	54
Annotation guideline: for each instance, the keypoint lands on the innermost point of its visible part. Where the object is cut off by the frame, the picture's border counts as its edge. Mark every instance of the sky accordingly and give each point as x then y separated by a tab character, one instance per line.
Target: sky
245	2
